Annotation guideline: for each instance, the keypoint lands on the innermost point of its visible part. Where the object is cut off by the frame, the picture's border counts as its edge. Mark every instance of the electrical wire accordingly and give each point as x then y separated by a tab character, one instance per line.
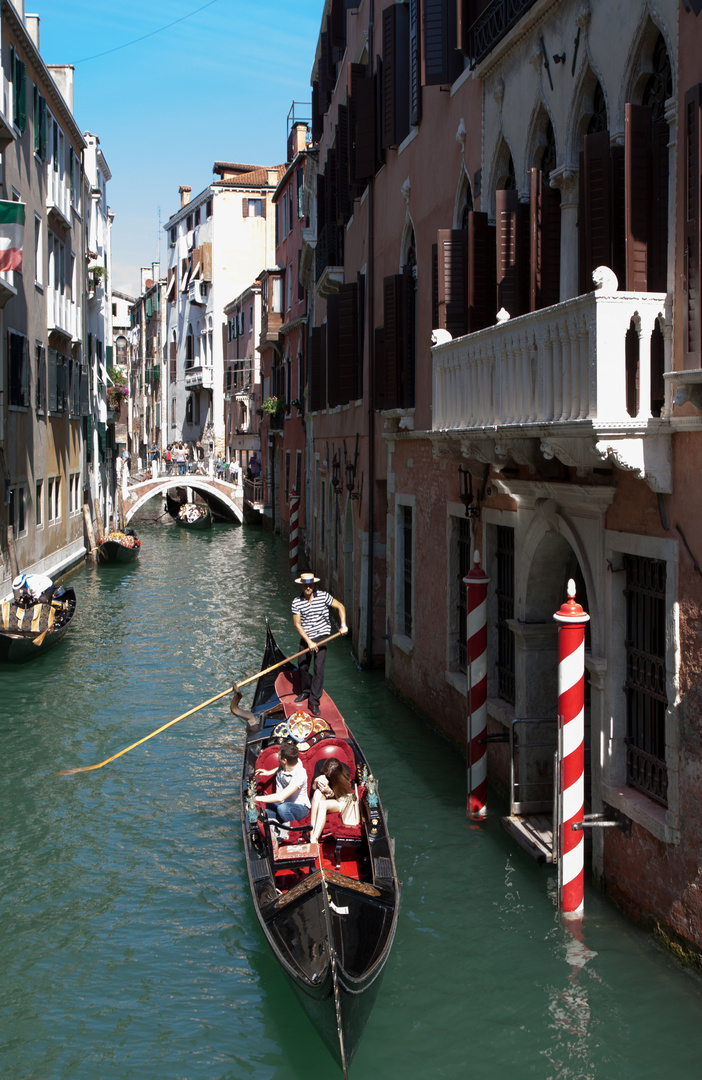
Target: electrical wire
144	37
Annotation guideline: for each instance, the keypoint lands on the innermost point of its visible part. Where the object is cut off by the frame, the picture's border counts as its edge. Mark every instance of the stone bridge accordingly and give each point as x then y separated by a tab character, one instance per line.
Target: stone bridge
137	494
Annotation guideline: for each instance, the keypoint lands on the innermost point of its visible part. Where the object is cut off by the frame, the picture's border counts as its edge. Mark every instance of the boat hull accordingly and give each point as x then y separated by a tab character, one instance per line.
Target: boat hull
198	525
19	648
110	551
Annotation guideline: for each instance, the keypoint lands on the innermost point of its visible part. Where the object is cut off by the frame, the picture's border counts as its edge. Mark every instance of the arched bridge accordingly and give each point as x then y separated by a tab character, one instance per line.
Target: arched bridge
137	494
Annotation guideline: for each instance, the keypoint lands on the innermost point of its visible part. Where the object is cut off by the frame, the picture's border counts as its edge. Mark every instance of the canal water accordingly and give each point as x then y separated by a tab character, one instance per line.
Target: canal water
129	947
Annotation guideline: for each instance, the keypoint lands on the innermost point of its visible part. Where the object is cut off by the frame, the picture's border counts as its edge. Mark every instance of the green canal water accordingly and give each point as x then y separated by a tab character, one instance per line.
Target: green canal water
129	949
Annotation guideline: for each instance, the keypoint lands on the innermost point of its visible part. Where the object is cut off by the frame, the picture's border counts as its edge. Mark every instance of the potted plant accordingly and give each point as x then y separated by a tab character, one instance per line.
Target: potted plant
273	405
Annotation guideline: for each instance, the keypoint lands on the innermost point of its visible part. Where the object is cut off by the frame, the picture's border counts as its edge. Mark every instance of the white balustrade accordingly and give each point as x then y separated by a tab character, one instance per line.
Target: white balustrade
564	364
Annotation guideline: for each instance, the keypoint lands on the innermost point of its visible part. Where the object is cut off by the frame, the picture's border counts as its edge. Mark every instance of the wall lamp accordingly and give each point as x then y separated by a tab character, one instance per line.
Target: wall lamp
467	497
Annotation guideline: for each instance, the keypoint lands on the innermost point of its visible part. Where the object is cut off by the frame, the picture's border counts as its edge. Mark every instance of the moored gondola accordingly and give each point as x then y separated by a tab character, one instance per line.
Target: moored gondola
28	632
175	498
328	913
119	547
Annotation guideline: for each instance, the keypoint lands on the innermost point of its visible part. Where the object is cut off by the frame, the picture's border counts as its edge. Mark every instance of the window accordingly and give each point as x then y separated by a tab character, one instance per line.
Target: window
253	208
645	686
38	254
209	208
40	124
19	91
462	540
290	210
39	504
17	511
298	471
54	500
284	231
18	369
287	476
300	189
404	570
40	360
505	612
250	319
288	304
189	223
74	493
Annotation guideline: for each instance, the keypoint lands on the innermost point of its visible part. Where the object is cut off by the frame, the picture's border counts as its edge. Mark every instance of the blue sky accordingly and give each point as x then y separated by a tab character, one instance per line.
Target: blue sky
214	87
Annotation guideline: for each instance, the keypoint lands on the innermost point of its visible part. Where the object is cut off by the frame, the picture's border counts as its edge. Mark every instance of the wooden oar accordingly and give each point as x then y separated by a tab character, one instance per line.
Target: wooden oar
236	687
210	701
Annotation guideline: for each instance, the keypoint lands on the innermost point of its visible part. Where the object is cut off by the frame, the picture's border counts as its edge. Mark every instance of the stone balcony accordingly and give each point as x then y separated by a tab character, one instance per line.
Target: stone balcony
572	382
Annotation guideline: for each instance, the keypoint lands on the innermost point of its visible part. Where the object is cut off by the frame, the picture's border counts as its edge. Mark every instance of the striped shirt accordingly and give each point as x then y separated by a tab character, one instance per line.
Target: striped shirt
314	613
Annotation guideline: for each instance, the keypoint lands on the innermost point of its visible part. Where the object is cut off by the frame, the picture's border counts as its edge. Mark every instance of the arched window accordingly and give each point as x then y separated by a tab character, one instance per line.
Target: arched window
598	119
659	86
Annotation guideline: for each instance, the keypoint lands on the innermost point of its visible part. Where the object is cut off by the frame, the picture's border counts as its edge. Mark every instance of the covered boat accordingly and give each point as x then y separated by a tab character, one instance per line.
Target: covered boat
329	913
27	632
119	547
194	516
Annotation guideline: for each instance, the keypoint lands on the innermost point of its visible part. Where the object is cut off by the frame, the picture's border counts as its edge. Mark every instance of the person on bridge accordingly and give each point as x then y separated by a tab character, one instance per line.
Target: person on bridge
310	614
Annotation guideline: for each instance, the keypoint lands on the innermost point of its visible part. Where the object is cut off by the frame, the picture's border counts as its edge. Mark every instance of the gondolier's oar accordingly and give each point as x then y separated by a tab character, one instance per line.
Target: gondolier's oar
237	686
210	701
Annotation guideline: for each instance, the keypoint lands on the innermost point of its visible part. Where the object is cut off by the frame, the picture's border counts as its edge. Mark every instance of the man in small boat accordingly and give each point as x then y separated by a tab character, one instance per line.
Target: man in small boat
310	614
30	589
289	801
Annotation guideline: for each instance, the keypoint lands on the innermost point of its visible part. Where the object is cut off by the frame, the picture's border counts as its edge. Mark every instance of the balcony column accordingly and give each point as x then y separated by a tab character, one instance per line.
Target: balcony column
564	343
547	369
565	179
584	351
645	329
557	354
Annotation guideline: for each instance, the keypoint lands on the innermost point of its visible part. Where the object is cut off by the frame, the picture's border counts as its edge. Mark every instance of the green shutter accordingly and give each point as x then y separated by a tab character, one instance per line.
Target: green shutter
22	75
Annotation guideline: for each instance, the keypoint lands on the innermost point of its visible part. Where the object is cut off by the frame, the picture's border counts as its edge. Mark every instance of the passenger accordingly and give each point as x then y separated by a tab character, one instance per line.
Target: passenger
289	801
30	589
333	793
310	614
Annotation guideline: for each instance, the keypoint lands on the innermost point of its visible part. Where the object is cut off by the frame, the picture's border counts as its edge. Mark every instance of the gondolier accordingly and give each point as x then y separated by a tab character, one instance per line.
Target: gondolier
310	614
29	589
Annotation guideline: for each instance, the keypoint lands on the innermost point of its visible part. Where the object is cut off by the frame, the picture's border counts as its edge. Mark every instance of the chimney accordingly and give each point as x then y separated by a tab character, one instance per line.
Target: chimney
297	140
62	75
184	192
146	281
155	271
32	24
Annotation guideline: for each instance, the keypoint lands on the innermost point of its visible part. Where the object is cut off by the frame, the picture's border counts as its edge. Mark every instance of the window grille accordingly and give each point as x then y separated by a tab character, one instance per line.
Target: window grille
646	699
505	612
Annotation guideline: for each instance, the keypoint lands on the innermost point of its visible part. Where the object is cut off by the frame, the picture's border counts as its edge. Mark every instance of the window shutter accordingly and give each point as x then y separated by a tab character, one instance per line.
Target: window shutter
693	141
318	368
415	64
332	188
316	113
596	210
333	392
434	52
482	272
53	381
638	160
321	203
245	207
347	346
392	312
354	74
658	247
338	24
36	118
617	172
84	391
409	334
345	202
507	224
452	281
389	136
365	131
545	242
264	205
381	395
435	286
22	71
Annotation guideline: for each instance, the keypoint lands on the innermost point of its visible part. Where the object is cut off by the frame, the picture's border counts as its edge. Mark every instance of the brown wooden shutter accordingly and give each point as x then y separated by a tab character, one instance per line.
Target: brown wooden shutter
482	272
365	159
596	204
388	74
345	201
638	156
434	43
434	286
452	281
617	172
415	64
396	97
316	113
545	242
354	74
338	24
342	338
507	225
245	206
583	285
394	337
321	203
406	386
658	247
332	187
318	368
381	390
693	212
206	250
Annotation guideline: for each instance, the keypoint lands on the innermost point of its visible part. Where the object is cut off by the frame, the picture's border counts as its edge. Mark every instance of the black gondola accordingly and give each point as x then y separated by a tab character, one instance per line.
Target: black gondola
26	633
119	547
330	918
175	498
194	516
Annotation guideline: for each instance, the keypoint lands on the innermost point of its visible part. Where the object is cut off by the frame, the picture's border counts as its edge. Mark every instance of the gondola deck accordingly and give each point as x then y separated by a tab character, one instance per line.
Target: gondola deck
329	916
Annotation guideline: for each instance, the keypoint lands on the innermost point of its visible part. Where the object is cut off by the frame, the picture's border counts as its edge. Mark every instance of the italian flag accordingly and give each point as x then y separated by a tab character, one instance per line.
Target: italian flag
11	234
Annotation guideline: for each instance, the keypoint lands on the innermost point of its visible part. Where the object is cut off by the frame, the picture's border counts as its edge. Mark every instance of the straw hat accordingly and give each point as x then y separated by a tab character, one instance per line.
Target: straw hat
306	579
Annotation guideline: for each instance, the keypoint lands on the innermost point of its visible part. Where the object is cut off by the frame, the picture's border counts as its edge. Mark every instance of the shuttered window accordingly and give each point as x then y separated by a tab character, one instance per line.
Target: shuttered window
399	308
18	369
362	123
415	64
452	281
594	219
441	60
482	272
693	141
638	138
344	198
40	360
545	242
508	251
395	75
318	369
342	346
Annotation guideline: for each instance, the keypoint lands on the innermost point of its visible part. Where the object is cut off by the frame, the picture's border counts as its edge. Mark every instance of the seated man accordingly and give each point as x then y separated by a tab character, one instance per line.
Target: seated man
30	589
289	801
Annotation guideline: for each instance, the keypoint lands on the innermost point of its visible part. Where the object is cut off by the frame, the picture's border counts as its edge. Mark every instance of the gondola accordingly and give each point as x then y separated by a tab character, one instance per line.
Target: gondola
174	502
28	632
119	547
194	516
330	918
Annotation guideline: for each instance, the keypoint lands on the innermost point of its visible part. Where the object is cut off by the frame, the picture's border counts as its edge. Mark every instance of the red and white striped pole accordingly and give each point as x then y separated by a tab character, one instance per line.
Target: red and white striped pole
571	621
476	605
294	510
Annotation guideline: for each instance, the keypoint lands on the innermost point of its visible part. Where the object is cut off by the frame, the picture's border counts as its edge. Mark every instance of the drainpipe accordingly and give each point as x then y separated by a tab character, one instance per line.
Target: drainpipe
371	375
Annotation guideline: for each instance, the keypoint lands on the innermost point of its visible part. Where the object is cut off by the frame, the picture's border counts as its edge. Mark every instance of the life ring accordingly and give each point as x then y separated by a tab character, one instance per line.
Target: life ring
300	726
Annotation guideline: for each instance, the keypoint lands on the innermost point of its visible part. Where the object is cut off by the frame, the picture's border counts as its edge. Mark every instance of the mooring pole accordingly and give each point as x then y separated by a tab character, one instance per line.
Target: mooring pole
294	512
571	619
476	606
